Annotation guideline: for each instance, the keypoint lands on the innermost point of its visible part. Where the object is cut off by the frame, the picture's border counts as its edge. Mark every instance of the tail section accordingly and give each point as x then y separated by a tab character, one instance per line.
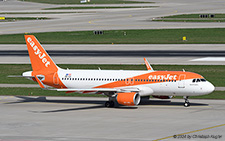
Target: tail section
45	71
40	60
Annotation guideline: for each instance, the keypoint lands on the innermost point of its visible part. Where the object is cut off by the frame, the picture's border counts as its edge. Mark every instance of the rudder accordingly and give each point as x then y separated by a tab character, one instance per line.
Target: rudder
40	60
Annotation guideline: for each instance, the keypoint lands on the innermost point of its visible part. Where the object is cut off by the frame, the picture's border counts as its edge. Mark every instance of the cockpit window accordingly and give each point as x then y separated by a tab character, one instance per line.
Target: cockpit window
203	80
198	80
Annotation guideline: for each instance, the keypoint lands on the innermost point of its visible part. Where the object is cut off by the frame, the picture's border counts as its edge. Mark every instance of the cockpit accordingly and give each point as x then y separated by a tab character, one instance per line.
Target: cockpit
198	80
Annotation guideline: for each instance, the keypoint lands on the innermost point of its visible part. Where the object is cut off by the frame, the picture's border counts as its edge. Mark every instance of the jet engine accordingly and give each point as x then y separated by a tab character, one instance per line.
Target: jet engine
128	99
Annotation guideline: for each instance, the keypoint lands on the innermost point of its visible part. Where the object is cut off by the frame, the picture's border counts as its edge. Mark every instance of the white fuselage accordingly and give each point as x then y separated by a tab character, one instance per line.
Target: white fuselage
79	79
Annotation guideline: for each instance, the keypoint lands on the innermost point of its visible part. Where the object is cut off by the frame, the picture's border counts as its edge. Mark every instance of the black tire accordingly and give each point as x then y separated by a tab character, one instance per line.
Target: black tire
112	104
186	104
107	104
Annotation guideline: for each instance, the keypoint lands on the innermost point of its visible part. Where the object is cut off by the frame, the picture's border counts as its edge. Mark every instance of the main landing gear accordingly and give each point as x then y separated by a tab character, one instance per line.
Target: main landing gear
186	102
109	104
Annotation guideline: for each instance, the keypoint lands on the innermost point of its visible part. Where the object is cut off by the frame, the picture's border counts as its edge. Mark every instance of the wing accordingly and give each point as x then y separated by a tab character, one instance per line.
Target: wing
149	67
101	90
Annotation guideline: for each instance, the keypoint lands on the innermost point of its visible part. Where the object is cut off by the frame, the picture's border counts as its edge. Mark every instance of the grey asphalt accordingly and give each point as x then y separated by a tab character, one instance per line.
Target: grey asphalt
122	59
75	118
107	19
118	53
83	118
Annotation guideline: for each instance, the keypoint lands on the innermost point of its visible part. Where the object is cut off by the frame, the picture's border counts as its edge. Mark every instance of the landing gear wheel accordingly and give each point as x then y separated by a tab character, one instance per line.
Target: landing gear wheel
112	104
109	104
186	103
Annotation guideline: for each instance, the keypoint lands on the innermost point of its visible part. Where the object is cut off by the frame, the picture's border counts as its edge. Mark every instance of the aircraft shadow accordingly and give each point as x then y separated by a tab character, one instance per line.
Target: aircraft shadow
169	103
100	103
25	99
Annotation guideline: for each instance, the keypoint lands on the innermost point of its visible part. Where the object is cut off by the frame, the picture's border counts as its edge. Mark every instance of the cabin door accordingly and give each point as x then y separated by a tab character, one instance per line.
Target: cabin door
181	81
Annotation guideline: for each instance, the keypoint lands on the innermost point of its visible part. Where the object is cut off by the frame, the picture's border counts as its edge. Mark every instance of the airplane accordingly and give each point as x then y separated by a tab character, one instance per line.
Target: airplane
123	87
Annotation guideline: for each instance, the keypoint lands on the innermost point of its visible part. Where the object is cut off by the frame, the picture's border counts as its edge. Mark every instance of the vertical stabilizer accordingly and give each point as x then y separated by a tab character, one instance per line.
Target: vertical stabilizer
40	60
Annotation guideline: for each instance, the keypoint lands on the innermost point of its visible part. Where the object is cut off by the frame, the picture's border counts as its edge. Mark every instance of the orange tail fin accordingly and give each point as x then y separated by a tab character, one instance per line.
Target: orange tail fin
40	60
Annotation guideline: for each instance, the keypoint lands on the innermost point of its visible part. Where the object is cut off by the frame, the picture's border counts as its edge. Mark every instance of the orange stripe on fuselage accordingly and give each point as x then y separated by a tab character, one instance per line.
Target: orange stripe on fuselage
156	75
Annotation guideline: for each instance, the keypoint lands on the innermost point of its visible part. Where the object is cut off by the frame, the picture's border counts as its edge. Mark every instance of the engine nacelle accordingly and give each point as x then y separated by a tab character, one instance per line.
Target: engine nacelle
128	99
162	97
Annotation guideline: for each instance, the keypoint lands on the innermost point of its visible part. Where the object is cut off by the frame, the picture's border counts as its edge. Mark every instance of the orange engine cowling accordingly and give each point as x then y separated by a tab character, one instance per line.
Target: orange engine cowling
128	99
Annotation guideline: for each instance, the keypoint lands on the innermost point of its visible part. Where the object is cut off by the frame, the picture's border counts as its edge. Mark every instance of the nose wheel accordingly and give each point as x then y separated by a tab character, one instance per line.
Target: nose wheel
186	102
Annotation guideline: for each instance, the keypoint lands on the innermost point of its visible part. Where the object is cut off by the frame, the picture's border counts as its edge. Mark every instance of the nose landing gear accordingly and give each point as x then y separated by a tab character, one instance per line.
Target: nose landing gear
186	102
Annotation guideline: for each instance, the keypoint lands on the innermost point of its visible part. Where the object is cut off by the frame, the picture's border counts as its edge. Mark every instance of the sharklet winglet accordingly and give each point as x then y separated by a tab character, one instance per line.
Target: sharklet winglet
149	67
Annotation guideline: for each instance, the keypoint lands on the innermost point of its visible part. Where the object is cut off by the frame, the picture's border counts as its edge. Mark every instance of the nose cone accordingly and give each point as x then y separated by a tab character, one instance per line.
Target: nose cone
209	88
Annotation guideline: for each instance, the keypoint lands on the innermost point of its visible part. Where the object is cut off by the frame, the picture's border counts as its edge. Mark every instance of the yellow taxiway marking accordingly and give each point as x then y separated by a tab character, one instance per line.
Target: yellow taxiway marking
191	132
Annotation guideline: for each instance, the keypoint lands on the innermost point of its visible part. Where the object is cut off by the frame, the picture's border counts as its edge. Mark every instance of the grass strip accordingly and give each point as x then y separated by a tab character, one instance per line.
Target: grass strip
91	1
213	95
13	19
148	36
214	74
41	92
98	7
192	18
3	13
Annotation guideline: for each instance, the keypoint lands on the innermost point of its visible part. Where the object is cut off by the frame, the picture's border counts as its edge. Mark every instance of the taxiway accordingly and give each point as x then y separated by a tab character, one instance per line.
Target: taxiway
83	118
